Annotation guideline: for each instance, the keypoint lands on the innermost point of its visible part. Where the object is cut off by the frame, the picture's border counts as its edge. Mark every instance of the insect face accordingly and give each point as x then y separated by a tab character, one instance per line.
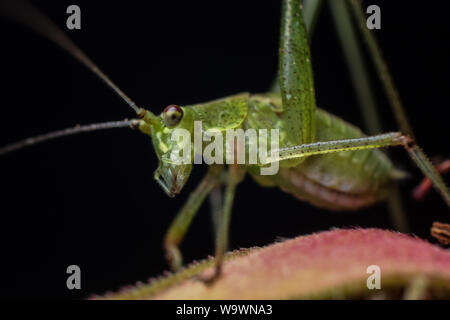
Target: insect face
171	175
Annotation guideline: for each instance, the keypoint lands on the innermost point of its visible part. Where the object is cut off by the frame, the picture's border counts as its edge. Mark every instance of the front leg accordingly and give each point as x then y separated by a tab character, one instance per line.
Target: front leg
182	221
236	174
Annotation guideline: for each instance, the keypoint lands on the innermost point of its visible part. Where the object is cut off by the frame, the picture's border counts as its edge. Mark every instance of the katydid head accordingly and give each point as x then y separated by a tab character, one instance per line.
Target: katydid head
176	122
171	175
172	132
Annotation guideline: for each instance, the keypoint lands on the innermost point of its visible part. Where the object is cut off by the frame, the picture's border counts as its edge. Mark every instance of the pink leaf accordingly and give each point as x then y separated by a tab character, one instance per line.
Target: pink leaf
330	264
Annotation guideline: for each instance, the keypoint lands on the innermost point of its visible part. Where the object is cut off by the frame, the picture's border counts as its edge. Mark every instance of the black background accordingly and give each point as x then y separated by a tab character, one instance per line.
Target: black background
90	200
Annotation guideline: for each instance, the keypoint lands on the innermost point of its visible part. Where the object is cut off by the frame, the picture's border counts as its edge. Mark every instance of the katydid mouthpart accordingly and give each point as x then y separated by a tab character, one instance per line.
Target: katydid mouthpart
323	159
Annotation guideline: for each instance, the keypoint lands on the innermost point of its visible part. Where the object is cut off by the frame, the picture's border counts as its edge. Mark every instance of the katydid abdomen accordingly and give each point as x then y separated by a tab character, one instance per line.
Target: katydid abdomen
338	181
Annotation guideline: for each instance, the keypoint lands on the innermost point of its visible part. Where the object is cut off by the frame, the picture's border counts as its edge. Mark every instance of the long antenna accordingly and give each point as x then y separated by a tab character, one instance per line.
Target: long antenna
67	132
30	16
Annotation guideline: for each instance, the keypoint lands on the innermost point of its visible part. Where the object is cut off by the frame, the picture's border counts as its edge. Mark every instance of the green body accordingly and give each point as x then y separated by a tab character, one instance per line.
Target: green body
346	180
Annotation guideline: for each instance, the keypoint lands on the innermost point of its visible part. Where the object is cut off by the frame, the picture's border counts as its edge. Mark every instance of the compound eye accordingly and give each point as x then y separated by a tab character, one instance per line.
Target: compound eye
172	115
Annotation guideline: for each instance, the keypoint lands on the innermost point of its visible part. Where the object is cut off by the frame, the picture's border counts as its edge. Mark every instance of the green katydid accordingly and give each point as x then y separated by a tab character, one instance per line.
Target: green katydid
323	159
